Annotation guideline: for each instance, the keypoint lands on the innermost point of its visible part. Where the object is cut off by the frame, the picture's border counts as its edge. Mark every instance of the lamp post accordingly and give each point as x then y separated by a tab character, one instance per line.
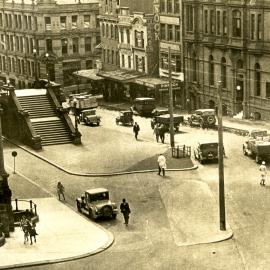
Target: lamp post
222	217
75	115
35	68
47	69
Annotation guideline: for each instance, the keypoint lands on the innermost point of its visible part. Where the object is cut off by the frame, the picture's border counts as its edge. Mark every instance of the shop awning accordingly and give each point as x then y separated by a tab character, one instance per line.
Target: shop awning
120	75
156	83
90	74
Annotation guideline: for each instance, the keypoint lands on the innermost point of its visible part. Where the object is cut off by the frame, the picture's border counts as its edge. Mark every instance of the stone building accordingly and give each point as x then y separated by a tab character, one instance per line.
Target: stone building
228	41
47	39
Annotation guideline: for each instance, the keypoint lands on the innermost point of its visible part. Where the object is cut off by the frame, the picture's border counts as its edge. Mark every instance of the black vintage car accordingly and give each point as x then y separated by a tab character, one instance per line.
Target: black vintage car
144	106
157	112
203	117
204	151
125	118
164	120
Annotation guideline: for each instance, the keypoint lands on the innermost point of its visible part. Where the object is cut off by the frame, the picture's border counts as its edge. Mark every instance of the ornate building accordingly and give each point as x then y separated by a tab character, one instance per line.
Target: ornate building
47	39
228	41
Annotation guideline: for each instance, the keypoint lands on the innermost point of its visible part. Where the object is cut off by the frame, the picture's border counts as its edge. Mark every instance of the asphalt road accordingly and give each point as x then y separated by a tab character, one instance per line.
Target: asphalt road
148	243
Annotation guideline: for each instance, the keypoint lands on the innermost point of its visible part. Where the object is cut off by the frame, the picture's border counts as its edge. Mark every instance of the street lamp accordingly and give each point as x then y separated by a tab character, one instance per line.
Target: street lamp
75	115
222	217
47	69
35	68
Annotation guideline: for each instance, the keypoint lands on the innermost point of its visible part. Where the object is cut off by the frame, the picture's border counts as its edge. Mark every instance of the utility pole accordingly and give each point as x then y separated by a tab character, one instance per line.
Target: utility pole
222	217
171	101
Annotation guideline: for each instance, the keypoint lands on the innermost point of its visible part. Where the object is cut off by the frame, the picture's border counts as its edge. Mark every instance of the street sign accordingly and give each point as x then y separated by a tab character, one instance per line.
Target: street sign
14	154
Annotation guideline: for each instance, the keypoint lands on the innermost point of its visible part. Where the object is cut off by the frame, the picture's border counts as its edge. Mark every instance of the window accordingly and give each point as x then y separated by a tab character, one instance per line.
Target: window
74	19
129	61
211	70
121	35
189	18
176	6
212	21
177	33
88	47
75	45
224	22
123	60
17	45
162	31
103	29
26	45
98	41
113	56
64	43
136	62
194	67
143	64
237	30
88	64
30	22
252	26
11	43
218	23
162	5
108	56
259	27
164	61
21	44
128	36
116	32
267	89
117	58
257	79
49	47
1	20
170	32
48	23
206	21
107	30
176	63
20	21
112	31
169	6
63	22
223	73
86	21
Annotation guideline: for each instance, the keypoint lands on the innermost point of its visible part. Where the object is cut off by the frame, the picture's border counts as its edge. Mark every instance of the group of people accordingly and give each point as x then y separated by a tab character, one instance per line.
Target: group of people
159	131
29	229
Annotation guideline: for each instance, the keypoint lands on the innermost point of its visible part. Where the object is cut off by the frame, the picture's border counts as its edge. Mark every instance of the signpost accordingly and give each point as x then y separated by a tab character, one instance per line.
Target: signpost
14	154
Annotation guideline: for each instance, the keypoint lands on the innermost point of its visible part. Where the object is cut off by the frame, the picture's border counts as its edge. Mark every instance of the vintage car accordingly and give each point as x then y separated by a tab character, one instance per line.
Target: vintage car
257	145
89	117
125	118
164	120
144	105
204	118
157	112
204	151
96	203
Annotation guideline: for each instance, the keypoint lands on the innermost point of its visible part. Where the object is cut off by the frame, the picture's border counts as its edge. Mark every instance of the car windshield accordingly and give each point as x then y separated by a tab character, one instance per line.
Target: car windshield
99	196
209	146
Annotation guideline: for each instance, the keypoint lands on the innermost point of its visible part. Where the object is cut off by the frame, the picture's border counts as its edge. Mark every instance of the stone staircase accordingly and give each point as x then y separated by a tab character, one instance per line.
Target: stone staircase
44	119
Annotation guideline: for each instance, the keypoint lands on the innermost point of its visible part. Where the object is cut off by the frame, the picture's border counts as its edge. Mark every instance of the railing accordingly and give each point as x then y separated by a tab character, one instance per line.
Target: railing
181	151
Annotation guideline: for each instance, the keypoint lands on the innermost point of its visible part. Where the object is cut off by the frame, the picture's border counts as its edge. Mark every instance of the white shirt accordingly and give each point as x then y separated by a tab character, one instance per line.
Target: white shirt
162	162
262	168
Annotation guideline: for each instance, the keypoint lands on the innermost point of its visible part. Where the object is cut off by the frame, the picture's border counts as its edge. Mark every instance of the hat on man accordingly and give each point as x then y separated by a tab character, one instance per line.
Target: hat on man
263	163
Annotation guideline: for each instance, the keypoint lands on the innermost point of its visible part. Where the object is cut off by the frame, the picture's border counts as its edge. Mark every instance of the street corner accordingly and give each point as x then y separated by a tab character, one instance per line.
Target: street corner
63	235
193	213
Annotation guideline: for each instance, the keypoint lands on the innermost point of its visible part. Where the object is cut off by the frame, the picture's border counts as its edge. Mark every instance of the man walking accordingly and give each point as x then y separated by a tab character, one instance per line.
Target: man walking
157	131
125	210
60	191
162	132
136	129
263	171
161	164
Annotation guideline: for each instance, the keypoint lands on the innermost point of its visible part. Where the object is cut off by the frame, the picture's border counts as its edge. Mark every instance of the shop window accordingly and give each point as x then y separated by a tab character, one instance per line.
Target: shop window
63	22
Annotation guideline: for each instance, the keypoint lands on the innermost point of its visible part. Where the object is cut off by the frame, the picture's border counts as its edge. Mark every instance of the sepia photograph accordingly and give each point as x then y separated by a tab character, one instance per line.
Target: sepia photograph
135	134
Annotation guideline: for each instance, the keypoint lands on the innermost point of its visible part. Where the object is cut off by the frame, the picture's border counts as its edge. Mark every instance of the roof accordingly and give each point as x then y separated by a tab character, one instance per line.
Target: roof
120	75
88	74
58	2
96	190
152	82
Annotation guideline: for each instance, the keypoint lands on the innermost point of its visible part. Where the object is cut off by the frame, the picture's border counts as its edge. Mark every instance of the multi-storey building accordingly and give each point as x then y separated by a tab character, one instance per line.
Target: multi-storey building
47	39
227	43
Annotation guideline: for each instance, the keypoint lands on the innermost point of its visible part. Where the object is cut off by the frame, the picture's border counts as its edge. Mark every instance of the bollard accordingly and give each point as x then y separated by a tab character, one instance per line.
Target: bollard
35	209
16	204
31	205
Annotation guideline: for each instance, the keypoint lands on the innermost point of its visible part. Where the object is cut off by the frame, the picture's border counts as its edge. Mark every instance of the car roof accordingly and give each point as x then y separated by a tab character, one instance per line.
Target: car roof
207	142
205	110
96	190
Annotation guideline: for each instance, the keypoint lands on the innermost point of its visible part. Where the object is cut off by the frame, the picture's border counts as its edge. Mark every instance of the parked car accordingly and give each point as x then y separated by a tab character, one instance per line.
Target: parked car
257	145
89	117
125	118
206	151
203	118
96	203
144	105
165	120
157	112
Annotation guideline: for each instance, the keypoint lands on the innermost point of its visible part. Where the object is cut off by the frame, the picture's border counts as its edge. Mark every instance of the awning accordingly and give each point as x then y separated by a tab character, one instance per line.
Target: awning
156	83
120	75
88	74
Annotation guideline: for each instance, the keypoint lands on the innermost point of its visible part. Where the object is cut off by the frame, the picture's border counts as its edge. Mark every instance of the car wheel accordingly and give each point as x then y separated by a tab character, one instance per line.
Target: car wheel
90	214
107	211
79	207
98	123
211	120
114	216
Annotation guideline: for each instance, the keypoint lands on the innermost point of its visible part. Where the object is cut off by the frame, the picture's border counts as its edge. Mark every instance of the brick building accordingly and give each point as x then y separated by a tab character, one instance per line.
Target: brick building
228	41
47	39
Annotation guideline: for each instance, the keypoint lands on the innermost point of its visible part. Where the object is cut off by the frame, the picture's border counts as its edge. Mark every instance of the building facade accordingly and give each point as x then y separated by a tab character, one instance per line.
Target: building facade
47	39
228	43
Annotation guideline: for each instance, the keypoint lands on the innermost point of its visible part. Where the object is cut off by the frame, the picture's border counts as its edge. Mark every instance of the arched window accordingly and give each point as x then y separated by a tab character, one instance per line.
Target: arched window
237	23
223	73
240	64
194	67
211	70
257	79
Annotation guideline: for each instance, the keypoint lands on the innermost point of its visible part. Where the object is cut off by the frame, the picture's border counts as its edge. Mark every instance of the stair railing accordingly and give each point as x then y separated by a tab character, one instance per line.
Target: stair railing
76	135
29	134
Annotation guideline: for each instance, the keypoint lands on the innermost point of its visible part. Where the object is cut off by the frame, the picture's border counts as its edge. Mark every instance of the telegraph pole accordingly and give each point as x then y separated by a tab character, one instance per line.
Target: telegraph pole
222	217
171	101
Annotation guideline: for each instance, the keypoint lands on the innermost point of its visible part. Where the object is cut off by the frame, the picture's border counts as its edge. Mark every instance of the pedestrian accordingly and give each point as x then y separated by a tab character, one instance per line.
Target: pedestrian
162	132
136	129
263	171
32	231
125	210
161	164
24	227
157	131
60	191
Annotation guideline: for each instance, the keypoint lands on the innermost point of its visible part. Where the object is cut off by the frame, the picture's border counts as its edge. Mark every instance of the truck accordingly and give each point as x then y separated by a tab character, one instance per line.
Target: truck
80	102
165	120
257	145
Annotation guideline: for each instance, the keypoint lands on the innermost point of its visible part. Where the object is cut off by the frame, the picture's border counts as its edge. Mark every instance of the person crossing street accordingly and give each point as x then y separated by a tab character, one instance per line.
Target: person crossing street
136	129
263	171
125	210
